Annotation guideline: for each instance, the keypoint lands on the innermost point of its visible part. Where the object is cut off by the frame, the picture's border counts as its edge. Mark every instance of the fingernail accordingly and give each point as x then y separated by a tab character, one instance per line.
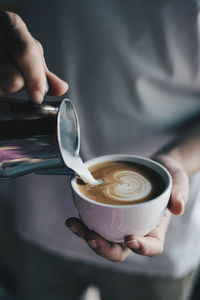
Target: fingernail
92	244
177	208
73	229
67	85
37	97
47	88
134	244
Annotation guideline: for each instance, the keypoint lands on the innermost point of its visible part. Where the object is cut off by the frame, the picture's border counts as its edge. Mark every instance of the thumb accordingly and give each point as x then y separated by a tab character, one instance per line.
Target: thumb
180	184
179	194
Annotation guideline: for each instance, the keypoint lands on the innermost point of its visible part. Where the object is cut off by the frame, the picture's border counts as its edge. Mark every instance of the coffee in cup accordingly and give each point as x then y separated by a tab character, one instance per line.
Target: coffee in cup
123	183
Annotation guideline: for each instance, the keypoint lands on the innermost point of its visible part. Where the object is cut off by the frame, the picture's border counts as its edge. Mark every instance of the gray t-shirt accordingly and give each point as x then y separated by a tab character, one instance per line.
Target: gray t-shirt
134	76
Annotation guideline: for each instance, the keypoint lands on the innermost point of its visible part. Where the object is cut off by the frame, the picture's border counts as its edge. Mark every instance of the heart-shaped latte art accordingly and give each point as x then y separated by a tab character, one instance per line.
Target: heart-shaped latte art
122	183
126	185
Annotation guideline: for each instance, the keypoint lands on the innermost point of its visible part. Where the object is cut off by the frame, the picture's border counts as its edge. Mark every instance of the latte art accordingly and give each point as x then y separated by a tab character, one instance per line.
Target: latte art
123	183
128	186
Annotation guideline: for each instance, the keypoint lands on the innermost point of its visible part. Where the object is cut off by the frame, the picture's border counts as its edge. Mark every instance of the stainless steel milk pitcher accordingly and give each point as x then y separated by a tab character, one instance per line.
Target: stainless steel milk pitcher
30	136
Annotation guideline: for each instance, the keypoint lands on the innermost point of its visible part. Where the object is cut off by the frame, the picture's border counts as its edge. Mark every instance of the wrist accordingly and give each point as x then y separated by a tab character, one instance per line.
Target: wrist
183	159
173	157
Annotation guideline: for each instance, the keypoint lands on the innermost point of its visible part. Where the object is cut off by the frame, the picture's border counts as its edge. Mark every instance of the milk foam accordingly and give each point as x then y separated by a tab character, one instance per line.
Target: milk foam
128	186
123	183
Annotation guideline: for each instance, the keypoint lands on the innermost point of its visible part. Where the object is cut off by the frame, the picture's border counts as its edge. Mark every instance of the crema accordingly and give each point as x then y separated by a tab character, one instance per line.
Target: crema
123	183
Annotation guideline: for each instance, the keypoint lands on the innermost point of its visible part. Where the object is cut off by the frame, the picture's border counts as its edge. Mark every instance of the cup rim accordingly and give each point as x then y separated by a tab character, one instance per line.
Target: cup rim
128	158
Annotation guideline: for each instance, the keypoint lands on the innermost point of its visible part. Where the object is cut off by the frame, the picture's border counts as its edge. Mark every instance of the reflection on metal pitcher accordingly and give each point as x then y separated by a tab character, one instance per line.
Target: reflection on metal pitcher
29	137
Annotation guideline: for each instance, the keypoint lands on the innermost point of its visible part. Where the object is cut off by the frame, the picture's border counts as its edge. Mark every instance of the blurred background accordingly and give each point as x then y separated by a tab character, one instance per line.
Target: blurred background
11	247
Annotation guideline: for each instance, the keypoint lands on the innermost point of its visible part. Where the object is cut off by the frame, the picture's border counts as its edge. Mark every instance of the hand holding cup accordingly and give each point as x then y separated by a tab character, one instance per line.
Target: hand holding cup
150	243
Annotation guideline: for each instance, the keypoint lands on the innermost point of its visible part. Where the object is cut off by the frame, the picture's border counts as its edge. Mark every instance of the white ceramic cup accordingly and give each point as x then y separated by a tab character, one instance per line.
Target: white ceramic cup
114	222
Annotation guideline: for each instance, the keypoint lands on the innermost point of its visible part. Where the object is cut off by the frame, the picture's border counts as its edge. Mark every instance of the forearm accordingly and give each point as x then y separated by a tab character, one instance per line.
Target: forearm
185	150
187	153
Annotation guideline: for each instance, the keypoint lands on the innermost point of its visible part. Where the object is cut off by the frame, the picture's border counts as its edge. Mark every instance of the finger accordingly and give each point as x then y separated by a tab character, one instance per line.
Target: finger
153	243
112	251
57	86
77	227
11	79
147	246
180	184
28	58
179	194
